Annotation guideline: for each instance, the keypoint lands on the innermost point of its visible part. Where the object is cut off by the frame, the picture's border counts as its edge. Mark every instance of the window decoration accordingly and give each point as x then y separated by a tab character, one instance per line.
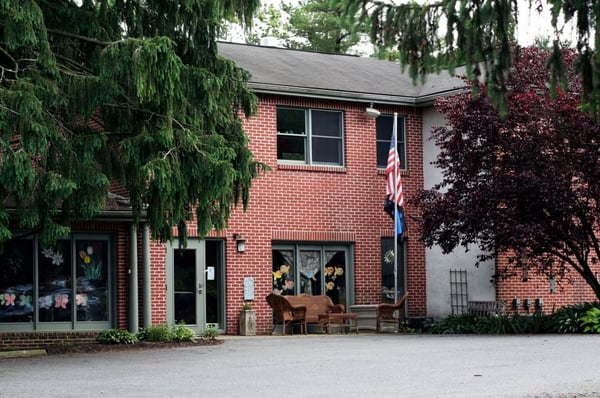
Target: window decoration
283	280
320	271
72	283
55	286
91	296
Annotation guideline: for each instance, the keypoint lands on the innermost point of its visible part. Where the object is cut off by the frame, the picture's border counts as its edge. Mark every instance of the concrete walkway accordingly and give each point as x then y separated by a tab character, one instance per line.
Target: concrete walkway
365	365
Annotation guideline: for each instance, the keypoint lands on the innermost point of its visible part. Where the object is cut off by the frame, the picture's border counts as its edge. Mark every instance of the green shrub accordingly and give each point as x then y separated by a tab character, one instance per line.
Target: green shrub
182	333
210	333
472	324
591	320
155	333
116	336
568	319
499	325
456	324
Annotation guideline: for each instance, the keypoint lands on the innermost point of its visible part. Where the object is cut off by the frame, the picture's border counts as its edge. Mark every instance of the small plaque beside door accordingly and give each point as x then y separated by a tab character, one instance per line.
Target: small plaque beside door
248	288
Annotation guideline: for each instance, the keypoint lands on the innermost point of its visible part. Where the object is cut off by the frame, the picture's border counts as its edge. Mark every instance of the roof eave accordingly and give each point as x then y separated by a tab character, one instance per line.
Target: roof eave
351	96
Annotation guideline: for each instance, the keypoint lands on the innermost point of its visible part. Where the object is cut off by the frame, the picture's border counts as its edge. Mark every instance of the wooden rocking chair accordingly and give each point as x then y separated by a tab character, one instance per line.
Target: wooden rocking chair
391	313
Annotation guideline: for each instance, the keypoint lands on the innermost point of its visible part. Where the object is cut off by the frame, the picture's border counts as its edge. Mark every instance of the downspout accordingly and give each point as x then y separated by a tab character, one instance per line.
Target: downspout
133	280
147	290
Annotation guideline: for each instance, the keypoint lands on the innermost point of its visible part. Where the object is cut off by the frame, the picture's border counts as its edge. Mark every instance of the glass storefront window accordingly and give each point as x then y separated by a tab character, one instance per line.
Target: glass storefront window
283	272
59	285
55	290
335	276
310	272
16	282
321	270
91	297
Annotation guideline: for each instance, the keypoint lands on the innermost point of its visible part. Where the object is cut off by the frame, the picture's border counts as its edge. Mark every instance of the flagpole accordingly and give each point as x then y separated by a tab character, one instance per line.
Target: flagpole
395	132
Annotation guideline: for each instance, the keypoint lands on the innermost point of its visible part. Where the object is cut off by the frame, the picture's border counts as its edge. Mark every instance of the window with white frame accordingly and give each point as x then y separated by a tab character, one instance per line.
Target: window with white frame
384	129
65	286
310	136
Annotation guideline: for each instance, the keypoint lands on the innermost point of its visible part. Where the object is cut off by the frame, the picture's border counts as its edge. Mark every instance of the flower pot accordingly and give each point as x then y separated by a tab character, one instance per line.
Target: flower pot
247	323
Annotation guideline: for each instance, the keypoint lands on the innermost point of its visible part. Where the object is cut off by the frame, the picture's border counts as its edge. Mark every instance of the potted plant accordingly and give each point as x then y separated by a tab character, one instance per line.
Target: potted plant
247	320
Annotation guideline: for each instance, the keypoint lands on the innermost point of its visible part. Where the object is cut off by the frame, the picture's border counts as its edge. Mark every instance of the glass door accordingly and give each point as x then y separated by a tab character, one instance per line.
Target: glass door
187	287
194	282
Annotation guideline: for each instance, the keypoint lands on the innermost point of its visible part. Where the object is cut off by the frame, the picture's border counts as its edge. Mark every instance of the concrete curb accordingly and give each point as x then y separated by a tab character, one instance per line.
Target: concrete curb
22	354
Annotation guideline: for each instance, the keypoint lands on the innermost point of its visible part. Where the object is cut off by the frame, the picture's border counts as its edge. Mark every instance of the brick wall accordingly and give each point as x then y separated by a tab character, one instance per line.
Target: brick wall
571	289
32	340
323	204
301	203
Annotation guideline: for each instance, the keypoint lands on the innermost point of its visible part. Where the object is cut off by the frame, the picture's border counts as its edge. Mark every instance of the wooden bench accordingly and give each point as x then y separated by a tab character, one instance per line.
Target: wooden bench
315	306
486	308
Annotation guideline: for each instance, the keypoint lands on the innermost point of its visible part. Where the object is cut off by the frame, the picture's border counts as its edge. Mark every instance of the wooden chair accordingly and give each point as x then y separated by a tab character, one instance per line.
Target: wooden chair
391	313
286	313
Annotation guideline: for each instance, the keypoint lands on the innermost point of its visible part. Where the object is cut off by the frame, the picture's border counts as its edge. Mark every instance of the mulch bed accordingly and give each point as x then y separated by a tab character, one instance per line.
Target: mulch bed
144	345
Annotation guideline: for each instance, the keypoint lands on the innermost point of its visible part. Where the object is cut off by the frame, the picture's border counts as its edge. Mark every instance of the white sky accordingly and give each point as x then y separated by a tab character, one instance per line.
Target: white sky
531	24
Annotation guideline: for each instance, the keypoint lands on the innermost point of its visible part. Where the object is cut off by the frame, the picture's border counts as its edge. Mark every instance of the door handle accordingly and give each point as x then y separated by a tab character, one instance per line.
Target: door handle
200	289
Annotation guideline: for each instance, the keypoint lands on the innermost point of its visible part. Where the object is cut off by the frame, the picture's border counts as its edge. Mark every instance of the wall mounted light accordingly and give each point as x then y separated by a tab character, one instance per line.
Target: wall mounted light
371	112
240	243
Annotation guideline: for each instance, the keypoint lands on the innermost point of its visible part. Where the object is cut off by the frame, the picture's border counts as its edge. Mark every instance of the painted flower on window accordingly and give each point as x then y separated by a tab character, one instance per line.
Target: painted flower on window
45	302
334	281
53	255
7	299
91	262
281	282
25	300
81	299
61	301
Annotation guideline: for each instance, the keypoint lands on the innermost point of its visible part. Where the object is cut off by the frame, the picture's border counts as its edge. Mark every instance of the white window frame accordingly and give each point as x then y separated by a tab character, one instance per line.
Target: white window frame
309	137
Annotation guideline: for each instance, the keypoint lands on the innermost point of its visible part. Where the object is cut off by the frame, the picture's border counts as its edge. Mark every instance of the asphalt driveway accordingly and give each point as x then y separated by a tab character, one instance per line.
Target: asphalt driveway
366	365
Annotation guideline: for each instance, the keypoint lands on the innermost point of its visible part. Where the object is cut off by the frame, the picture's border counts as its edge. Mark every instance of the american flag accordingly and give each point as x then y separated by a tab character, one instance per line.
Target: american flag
393	188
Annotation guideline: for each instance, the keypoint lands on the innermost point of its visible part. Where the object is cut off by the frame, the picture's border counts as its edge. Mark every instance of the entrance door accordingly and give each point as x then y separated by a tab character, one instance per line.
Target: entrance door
194	283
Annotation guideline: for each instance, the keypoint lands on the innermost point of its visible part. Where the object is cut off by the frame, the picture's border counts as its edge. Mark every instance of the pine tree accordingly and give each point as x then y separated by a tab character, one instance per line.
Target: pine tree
97	92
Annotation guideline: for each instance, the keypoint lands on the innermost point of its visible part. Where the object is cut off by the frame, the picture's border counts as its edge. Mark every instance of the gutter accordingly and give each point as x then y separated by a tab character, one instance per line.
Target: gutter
349	96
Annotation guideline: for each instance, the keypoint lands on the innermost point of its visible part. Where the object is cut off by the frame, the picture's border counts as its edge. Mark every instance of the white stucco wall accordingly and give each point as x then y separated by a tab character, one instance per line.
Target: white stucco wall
438	265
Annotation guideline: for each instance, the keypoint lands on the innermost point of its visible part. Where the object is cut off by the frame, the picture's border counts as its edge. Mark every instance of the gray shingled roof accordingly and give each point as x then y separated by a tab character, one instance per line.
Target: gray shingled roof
278	70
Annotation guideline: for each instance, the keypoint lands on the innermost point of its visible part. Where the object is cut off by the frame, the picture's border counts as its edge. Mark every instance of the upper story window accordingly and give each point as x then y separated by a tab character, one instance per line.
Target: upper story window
385	127
310	136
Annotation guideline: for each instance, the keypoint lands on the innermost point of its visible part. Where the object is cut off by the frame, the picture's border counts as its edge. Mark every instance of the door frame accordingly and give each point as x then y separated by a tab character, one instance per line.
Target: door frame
200	247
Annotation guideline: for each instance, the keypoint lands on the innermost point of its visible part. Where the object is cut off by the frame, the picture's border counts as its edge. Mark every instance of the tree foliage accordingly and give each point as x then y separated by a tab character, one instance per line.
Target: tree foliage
527	183
319	26
441	34
268	22
312	25
97	92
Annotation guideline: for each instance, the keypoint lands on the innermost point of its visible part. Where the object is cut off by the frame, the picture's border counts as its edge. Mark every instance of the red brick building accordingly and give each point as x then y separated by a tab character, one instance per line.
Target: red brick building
315	222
